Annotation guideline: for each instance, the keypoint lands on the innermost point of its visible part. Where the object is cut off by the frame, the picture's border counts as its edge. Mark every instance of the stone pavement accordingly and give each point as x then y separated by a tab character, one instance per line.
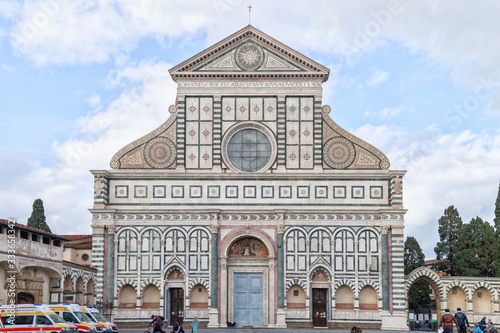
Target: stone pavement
258	330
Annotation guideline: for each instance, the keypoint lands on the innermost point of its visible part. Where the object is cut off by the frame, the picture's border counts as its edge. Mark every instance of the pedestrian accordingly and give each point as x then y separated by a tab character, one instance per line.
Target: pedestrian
491	328
157	323
482	324
462	321
446	321
477	329
177	328
195	324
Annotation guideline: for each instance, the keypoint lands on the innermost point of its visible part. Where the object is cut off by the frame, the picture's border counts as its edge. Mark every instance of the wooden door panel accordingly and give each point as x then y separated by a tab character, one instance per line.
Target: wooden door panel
320	307
176	305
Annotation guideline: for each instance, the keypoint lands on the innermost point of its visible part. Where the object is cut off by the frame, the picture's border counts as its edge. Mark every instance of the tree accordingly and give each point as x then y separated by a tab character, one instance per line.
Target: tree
496	263
475	249
414	257
419	296
449	230
37	218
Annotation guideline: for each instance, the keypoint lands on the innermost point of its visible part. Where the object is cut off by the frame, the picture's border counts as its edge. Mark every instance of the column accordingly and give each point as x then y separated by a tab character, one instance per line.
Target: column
110	278
394	316
213	313
281	314
97	260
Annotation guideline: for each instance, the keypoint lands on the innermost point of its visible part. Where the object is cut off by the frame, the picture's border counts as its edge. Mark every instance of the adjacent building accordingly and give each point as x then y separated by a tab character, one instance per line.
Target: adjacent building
35	267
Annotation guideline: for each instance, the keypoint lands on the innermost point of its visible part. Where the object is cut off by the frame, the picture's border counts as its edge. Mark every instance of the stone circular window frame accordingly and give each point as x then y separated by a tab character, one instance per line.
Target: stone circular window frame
243	126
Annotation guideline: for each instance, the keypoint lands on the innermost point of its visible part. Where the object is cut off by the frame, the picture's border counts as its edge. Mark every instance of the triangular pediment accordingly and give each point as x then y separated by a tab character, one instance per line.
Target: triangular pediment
252	53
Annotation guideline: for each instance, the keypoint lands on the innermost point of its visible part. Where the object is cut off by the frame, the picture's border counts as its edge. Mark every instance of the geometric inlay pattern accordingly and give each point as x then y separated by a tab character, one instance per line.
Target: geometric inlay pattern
249	56
160	152
339	153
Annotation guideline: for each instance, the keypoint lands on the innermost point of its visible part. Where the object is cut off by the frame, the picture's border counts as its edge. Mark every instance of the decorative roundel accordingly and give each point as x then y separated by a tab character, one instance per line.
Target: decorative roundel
172	109
249	56
384	164
160	153
339	153
114	164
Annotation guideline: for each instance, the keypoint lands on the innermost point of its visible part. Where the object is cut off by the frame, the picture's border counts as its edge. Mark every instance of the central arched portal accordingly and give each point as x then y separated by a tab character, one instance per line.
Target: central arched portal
248	274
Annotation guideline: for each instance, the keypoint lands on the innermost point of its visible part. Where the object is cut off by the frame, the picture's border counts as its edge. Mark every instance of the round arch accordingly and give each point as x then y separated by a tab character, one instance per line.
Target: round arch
230	269
432	278
236	235
24	297
430	275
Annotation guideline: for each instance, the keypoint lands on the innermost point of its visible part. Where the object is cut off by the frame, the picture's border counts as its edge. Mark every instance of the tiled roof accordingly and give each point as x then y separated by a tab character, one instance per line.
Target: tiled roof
25	227
87	245
75	237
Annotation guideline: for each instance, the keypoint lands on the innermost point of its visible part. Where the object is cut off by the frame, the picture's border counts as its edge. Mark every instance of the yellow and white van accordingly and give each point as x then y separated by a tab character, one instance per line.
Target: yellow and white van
32	318
73	313
94	314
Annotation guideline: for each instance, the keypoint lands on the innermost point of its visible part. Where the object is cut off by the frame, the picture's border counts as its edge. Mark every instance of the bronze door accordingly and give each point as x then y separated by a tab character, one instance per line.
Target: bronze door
176	305
319	307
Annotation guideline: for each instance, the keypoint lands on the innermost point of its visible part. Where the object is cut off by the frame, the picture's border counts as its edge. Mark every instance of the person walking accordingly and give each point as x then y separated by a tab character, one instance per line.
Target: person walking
177	328
446	321
195	324
463	322
491	328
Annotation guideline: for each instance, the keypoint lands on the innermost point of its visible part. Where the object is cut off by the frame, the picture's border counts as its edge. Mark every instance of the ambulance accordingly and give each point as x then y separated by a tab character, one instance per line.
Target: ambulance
32	318
73	313
94	314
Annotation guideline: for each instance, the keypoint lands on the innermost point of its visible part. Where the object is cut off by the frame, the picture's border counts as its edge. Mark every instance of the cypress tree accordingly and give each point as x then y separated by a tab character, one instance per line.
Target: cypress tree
414	256
37	218
449	231
496	220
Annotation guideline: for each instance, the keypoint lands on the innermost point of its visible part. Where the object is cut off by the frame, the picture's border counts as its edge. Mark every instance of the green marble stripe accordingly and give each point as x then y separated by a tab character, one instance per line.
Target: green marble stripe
214	274
111	267
281	274
385	272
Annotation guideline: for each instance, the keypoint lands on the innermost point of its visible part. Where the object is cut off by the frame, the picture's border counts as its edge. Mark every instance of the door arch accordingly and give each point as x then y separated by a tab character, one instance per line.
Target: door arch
25	298
247	260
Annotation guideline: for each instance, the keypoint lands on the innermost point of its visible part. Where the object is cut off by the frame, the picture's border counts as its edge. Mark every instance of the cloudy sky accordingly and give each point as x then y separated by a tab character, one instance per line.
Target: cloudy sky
418	79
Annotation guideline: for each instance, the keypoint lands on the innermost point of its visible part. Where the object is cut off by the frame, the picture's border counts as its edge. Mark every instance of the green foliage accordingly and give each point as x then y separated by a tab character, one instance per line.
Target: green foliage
449	230
37	218
475	249
497	213
414	257
419	298
496	262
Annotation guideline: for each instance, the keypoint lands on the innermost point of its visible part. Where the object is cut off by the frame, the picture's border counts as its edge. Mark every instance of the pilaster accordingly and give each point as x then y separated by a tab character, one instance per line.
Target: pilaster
281	314
213	313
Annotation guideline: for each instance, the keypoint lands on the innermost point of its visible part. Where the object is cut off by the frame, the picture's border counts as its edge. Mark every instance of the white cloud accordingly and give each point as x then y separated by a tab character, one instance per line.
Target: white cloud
7	68
66	187
377	78
453	169
385	113
94	100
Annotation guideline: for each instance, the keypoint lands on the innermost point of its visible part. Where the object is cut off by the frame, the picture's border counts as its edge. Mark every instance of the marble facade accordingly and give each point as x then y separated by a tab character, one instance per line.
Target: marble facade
250	176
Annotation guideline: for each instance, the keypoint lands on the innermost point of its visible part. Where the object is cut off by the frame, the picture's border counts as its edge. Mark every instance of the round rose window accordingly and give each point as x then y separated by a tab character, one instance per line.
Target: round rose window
249	150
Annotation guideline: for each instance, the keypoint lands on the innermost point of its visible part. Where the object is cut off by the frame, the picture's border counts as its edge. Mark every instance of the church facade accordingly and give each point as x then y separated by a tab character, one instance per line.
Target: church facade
249	204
